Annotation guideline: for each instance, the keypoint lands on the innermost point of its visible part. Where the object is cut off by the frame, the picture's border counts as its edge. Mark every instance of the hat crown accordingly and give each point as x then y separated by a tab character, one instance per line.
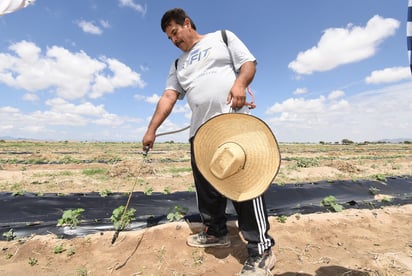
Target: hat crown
228	159
218	147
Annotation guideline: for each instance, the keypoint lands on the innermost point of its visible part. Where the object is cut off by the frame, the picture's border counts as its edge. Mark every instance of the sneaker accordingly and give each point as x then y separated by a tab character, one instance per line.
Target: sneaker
202	239
259	264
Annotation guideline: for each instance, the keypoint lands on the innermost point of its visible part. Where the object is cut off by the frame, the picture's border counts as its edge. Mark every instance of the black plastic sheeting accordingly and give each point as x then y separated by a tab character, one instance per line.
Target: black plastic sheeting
33	214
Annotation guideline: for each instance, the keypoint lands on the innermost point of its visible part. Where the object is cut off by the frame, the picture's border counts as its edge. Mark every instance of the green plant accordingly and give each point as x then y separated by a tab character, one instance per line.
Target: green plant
282	219
198	257
330	202
307	162
105	193
176	170
176	213
82	271
94	171
18	193
148	191
161	254
59	249
374	190
33	261
166	190
10	235
70	217
69	160
386	199
380	177
71	252
122	219
191	188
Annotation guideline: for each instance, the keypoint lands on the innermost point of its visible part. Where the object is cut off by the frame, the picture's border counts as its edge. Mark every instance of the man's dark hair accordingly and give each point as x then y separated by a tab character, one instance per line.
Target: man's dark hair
178	15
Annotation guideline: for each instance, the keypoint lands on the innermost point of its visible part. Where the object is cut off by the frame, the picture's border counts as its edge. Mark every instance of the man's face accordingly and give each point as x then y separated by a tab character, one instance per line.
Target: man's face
179	35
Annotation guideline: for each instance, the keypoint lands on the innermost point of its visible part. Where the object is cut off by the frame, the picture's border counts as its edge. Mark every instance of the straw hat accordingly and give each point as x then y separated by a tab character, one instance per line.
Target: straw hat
238	154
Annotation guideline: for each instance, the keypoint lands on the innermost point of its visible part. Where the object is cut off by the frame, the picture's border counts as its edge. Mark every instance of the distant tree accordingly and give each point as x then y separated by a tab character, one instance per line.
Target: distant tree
346	142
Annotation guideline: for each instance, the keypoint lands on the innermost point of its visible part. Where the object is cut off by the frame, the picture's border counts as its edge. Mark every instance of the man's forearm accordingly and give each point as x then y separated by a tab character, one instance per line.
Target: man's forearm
163	109
246	74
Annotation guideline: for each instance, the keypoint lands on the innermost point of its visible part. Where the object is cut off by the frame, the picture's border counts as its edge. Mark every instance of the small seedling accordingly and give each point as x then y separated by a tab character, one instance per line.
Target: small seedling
176	213
198	257
380	177
10	235
105	193
386	199
330	202
374	191
33	261
148	191
59	249
166	191
70	217
282	218
122	219
82	271
18	193
71	252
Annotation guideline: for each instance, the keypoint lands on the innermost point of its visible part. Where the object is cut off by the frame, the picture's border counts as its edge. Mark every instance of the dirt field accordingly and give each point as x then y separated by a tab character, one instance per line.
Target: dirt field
351	242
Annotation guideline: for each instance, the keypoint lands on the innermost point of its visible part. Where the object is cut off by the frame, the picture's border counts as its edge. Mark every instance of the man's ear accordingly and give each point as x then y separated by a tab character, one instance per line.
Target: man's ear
187	23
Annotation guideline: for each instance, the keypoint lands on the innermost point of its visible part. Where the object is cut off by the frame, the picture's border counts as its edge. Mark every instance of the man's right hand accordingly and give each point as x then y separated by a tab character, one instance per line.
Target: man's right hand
148	141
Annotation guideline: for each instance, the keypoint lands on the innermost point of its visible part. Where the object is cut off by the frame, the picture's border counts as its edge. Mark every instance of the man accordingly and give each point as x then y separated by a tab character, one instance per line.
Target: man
214	75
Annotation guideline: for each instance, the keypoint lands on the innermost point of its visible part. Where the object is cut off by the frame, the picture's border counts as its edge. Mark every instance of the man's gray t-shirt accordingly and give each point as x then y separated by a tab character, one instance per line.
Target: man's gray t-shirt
206	74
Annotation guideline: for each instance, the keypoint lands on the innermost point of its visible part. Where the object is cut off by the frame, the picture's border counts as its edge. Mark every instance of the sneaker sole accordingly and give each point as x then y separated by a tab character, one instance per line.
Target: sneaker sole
208	245
272	263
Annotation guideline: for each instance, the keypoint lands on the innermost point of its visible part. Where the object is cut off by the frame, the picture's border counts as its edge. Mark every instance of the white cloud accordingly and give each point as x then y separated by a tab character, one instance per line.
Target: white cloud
67	74
30	97
144	68
300	91
122	76
339	46
294	106
368	116
388	75
8	110
336	94
153	99
105	24
89	27
61	115
138	97
131	4
109	120
59	105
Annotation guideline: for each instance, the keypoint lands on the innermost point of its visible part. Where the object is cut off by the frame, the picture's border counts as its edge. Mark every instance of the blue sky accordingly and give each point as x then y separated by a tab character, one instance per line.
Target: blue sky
94	70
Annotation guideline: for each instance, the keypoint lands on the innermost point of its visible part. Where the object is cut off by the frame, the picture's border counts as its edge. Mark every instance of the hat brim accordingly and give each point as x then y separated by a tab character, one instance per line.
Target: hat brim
257	140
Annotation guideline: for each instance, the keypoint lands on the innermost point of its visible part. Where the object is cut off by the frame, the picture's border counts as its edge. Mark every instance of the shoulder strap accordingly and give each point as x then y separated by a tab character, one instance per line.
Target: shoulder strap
224	37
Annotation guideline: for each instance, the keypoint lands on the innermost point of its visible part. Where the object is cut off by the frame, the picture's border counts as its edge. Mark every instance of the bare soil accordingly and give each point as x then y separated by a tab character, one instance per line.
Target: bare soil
351	242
